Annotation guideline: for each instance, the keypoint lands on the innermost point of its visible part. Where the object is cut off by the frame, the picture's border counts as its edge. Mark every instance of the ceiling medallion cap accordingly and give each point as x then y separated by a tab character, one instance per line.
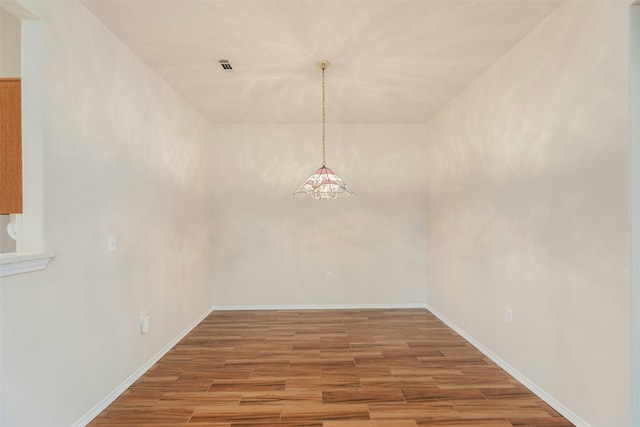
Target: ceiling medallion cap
323	65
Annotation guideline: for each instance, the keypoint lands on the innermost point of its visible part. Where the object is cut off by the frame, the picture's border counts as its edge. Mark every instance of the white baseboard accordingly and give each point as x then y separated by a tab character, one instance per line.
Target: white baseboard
317	307
533	387
108	399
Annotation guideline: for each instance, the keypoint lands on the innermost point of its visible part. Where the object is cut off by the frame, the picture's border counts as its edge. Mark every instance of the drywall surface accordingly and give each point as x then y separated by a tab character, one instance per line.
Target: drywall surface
7	244
125	157
9	44
274	249
634	143
527	178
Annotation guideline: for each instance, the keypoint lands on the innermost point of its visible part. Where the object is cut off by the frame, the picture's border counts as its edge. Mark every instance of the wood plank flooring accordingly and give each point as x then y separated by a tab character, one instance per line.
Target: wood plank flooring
326	368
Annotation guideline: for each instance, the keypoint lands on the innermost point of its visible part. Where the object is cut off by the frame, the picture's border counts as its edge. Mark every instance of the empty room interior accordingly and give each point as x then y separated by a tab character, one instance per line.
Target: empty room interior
488	155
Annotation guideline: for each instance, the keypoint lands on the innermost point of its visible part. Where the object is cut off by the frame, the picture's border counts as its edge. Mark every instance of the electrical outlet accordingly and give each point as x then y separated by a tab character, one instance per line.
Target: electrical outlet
509	316
329	275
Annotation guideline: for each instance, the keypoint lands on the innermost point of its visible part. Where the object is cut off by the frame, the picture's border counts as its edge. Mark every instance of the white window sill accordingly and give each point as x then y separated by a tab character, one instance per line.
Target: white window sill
23	262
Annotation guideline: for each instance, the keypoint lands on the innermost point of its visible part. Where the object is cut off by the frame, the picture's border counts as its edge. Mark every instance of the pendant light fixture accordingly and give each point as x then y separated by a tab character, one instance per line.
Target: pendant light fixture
323	184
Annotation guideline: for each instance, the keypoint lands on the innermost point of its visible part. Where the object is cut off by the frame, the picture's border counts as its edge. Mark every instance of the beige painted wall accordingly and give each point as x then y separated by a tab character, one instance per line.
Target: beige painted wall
528	177
9	44
124	156
273	249
7	244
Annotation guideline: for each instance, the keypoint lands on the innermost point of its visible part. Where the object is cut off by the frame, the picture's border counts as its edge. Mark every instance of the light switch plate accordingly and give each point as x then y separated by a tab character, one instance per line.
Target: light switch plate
112	243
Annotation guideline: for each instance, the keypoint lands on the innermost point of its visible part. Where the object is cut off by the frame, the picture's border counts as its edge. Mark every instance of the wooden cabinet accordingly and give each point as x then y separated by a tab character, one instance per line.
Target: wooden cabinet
10	146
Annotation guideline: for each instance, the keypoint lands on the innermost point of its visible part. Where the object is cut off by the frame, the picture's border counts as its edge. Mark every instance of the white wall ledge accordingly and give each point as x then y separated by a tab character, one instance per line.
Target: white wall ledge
23	262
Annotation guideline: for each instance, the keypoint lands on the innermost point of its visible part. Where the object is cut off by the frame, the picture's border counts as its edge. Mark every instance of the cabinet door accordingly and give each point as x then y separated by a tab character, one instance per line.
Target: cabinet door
10	146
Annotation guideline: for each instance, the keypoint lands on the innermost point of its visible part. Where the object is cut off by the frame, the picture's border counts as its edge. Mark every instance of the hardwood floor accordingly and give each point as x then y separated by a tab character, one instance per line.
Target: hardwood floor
326	368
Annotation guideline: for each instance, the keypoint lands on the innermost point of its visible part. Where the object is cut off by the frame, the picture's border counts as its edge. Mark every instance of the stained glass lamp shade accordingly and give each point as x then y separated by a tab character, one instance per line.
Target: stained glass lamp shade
324	184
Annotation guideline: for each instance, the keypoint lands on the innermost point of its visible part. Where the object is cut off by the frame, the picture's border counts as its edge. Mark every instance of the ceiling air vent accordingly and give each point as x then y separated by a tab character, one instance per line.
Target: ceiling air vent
224	63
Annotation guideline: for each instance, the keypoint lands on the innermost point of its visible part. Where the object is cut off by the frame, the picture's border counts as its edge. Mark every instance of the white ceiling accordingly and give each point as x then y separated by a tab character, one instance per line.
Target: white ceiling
392	61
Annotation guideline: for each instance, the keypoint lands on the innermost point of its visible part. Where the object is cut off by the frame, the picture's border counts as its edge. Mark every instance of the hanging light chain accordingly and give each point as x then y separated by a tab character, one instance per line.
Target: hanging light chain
323	120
